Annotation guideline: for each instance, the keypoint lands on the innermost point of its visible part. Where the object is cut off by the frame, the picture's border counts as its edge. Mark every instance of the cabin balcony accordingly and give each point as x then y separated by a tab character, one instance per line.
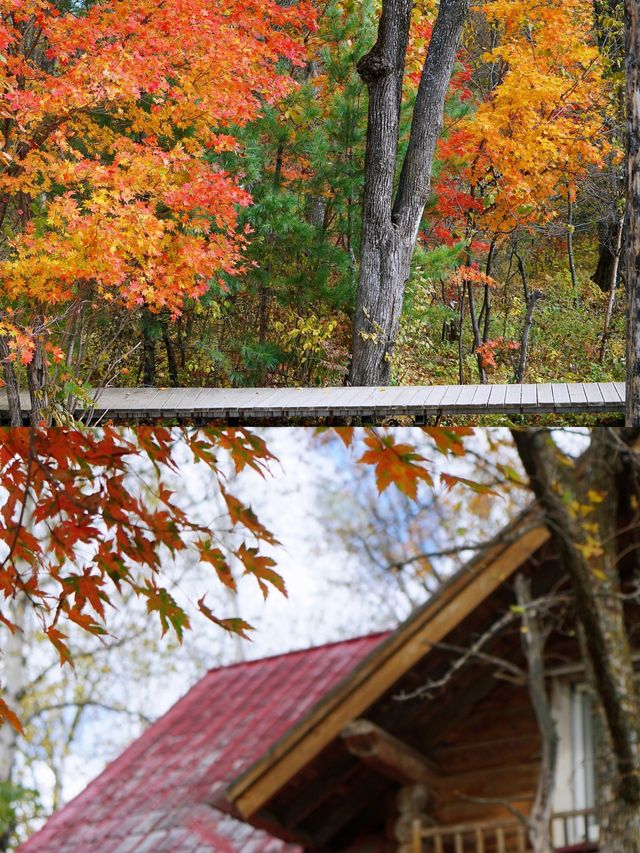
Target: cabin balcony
572	832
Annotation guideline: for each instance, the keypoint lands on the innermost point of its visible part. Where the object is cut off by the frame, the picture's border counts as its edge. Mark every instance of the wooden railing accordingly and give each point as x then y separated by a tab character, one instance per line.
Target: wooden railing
502	836
496	836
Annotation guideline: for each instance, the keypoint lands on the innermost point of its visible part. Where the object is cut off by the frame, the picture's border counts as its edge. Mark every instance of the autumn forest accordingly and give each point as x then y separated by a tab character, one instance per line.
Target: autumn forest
181	192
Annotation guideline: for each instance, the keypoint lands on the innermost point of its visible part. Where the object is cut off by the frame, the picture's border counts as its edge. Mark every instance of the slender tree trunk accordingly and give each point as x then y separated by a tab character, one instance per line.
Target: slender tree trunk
586	545
12	389
148	351
533	641
475	328
632	51
572	263
460	341
532	301
390	229
13	685
487	295
172	364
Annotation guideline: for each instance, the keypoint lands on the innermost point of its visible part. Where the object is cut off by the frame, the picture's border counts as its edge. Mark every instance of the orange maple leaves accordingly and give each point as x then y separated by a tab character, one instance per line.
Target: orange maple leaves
113	121
74	533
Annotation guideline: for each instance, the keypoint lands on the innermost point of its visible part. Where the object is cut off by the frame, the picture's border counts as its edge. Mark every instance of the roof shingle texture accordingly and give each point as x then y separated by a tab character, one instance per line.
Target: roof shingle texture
159	794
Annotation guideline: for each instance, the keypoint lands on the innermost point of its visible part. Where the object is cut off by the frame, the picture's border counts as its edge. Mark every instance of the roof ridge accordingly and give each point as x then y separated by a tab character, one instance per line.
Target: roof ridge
302	650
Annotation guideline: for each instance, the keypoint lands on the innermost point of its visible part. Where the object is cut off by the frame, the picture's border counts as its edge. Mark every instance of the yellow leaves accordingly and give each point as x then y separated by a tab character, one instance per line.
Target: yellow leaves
544	124
591	547
595	497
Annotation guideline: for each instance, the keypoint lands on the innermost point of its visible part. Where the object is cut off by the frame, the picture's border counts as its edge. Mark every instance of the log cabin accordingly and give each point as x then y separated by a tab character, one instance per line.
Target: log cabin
419	740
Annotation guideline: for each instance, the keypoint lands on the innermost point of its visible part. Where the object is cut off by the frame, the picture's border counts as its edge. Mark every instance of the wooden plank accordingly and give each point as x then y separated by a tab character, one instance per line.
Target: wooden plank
545	398
561	399
222	402
529	398
126	399
377	673
481	396
609	393
512	396
593	394
450	396
577	394
496	397
621	391
465	399
431	398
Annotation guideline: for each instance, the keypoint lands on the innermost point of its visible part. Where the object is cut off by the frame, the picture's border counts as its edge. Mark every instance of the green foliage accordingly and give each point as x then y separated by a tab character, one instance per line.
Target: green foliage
17	805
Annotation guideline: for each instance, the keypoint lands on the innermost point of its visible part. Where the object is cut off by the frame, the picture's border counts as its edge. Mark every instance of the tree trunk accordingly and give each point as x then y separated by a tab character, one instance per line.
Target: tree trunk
585	541
13	685
632	50
613	283
607	241
532	301
533	640
12	389
389	230
572	263
148	350
38	380
172	364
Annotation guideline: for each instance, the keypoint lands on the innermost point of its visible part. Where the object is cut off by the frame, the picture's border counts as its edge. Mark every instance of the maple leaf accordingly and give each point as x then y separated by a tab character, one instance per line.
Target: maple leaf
260	567
233	625
8	716
395	463
450	480
217	559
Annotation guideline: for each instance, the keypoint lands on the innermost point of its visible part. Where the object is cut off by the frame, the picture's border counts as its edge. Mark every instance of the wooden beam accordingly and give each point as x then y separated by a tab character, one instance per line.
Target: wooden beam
388	755
385	665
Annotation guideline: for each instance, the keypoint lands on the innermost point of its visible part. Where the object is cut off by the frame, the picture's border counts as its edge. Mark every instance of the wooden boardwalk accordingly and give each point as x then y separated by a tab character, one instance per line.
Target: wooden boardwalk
201	405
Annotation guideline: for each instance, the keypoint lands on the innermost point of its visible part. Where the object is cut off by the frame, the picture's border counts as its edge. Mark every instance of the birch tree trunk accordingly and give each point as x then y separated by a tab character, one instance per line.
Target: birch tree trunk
586	544
632	50
13	684
390	228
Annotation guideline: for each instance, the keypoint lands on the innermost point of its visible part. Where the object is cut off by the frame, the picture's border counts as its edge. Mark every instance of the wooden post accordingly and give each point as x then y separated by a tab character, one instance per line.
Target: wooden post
632	48
417	836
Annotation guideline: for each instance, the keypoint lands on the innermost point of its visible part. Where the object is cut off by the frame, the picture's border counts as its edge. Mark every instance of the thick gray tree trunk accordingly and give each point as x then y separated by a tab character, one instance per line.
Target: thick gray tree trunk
390	228
632	49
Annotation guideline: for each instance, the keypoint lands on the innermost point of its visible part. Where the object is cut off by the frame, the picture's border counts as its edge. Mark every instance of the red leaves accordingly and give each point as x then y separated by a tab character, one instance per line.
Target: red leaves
471	275
129	207
74	498
490	350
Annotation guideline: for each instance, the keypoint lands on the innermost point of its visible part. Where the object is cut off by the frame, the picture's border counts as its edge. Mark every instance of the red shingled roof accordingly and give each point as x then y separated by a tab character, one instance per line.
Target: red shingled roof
158	795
